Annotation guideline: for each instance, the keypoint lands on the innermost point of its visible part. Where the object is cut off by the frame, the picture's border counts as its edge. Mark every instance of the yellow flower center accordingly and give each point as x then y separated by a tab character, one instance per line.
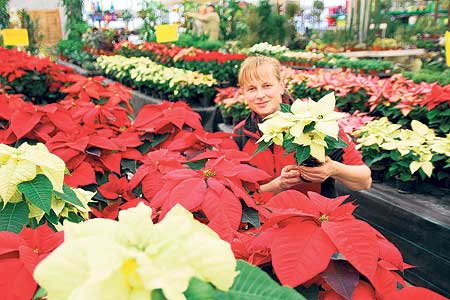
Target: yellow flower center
323	218
209	173
132	278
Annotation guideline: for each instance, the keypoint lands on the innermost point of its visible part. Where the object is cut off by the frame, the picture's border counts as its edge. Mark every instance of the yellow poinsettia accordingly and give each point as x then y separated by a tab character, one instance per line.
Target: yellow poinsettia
378	132
424	161
24	163
274	127
441	145
321	112
130	258
316	141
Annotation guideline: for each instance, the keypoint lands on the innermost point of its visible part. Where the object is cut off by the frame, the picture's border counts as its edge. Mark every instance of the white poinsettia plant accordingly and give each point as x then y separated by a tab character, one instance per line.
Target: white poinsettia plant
32	188
308	128
104	259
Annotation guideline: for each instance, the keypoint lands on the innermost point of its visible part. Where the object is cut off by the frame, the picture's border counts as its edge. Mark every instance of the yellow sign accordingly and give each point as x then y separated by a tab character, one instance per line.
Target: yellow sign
166	33
15	37
447	47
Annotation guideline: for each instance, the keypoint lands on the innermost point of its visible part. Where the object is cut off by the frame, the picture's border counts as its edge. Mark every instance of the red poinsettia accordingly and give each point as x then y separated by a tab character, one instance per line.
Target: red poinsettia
215	190
166	117
191	143
155	165
85	88
19	255
309	230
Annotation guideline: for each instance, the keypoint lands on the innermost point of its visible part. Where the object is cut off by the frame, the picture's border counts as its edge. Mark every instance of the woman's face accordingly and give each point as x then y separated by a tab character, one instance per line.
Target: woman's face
264	95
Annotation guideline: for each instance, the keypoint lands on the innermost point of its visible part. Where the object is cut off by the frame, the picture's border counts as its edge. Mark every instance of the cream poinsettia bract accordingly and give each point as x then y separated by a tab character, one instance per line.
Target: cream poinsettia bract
291	125
103	259
24	163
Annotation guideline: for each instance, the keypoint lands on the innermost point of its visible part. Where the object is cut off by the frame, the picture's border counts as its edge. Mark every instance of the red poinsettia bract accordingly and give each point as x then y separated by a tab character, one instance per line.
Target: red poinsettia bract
155	165
309	230
166	117
19	256
215	190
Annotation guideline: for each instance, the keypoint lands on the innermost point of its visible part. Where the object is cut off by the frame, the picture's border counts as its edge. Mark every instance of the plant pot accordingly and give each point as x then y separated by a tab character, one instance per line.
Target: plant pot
227	119
406	187
378	172
204	101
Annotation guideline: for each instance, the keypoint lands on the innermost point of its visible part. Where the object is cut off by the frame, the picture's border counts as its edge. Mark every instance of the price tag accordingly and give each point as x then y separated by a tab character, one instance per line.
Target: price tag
15	37
447	47
166	33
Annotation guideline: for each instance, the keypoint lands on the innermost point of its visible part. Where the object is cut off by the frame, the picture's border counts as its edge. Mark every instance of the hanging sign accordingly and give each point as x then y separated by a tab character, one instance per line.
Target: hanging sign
447	47
15	37
166	33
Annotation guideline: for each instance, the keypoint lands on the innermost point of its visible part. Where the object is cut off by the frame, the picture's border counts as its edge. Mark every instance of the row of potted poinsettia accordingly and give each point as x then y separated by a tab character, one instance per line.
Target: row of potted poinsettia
160	81
223	66
397	98
408	155
161	158
307	59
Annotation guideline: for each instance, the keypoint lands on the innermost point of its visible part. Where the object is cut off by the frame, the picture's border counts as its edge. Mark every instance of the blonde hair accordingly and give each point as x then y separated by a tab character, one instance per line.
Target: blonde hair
252	69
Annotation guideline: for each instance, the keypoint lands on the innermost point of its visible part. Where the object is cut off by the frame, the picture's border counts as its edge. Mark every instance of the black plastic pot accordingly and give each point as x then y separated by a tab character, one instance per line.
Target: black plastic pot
378	172
406	187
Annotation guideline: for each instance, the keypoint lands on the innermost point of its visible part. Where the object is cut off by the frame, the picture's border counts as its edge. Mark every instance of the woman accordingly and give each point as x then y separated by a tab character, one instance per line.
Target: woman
261	84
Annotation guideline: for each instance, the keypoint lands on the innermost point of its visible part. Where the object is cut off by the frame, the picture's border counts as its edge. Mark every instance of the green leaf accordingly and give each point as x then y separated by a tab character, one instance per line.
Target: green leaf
262	146
309	127
196	165
69	196
52	217
159	139
286	108
157	295
302	154
129	164
199	290
74	218
250	215
253	283
289	146
41	292
14	216
38	191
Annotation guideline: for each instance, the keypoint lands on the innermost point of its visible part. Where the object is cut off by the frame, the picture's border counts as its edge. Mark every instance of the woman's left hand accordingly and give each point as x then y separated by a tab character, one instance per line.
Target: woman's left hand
320	173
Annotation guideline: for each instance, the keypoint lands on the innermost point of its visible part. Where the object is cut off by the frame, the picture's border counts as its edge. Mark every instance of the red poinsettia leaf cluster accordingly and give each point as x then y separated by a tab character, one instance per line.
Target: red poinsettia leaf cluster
166	117
155	165
215	190
301	236
192	143
19	256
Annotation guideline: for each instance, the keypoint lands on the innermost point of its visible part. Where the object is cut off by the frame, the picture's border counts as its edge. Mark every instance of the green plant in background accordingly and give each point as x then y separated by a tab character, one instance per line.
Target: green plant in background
231	14
34	38
317	10
4	14
264	24
201	42
126	17
74	15
151	13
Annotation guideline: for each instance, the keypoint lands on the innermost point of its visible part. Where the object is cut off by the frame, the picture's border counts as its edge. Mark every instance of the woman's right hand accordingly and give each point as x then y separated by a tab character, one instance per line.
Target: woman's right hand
289	177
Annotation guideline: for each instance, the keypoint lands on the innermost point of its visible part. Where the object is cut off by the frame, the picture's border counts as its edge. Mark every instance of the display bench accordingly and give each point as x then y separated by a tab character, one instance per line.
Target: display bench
418	224
384	53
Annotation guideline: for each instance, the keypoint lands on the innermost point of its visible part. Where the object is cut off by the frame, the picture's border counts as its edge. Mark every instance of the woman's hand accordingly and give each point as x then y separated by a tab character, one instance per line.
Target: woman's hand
320	173
355	177
289	177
